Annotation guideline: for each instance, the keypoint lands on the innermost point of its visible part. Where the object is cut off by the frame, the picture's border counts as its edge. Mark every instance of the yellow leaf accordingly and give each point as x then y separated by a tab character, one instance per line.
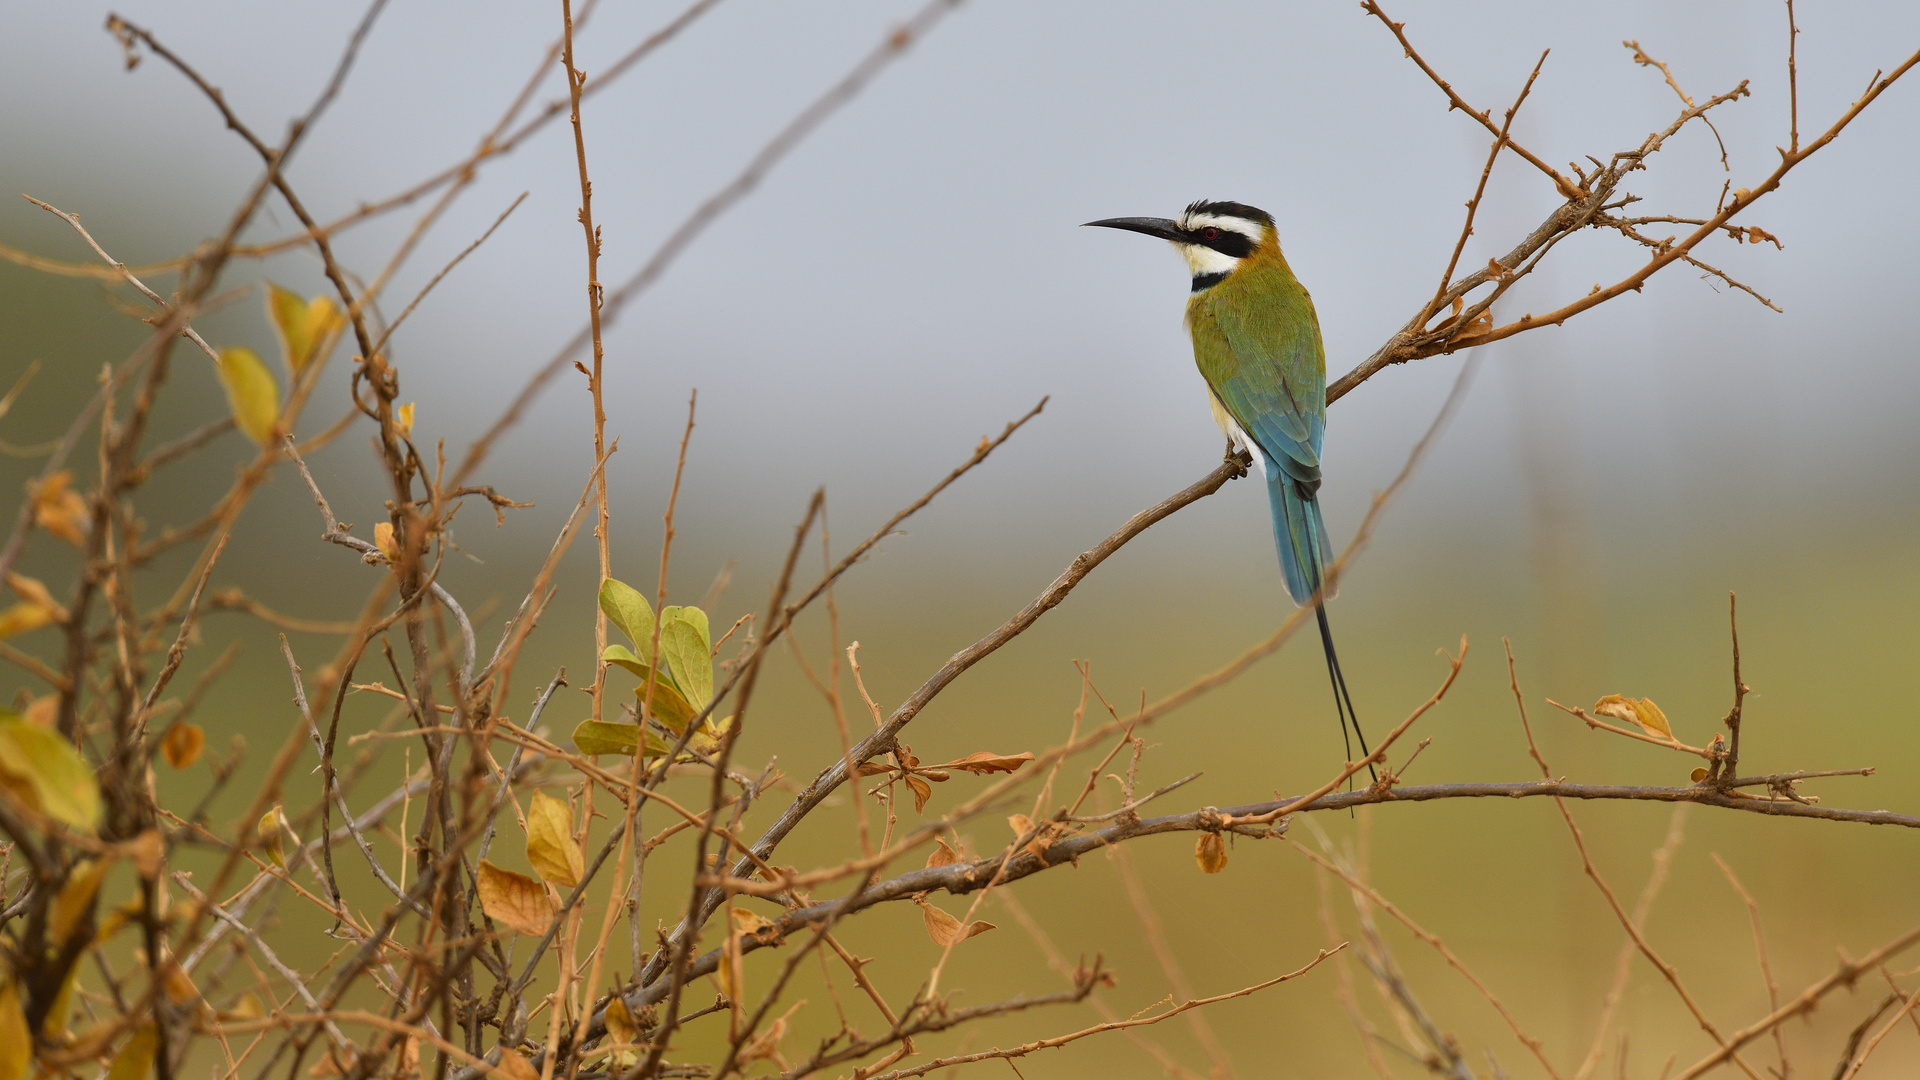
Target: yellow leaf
550	847
946	930
247	1008
269	828
1210	853
1641	712
403	419
383	539
730	974
301	326
750	923
56	1022
1699	774
58	510
23	617
252	393
44	772
517	1067
514	900
619	1021
16	1042
182	743
75	898
34	591
942	855
135	1060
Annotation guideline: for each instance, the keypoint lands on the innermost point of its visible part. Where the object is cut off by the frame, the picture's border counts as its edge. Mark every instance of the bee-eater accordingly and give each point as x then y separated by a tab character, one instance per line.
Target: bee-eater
1257	343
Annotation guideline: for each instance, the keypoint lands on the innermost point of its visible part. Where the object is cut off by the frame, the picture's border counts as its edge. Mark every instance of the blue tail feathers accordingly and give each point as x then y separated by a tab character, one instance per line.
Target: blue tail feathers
1300	534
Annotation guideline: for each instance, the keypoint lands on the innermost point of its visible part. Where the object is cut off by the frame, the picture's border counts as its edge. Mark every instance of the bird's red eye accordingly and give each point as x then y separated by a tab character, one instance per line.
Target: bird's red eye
1210	233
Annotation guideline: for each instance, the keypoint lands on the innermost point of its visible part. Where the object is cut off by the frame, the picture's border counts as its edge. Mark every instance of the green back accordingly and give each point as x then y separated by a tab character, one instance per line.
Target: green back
1257	343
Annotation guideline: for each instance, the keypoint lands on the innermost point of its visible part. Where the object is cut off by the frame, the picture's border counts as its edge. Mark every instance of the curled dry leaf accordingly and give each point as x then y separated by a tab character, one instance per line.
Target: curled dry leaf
942	855
517	1067
550	845
1699	774
1641	712
1210	853
383	539
984	762
182	743
269	828
516	901
946	930
749	923
59	509
730	975
1021	825
922	791
403	419
619	1021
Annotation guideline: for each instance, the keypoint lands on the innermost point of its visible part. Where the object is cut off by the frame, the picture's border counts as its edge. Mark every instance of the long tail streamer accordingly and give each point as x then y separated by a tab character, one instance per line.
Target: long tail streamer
1342	701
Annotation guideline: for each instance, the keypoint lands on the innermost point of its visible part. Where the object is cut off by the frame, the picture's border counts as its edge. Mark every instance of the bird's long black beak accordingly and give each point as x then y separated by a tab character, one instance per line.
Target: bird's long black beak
1151	226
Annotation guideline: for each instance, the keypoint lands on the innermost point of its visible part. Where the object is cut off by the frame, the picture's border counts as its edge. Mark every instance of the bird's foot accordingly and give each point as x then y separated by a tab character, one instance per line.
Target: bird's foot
1239	459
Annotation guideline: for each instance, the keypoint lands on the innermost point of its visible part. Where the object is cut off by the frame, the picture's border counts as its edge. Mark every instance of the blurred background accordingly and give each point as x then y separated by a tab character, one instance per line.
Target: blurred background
912	278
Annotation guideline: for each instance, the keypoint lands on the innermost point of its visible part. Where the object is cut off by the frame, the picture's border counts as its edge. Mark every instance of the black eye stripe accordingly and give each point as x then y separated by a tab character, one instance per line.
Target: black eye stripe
1228	242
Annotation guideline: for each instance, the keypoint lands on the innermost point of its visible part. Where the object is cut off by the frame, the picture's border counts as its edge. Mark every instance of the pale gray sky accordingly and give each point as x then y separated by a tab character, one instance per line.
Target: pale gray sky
912	276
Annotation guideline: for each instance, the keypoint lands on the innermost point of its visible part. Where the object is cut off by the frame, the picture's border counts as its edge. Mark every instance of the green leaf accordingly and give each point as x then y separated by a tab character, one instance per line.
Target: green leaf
670	706
628	610
595	737
688	650
623	656
252	393
44	771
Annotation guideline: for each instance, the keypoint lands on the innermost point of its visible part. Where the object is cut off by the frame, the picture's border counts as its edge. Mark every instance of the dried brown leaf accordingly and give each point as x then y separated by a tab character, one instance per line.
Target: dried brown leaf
942	855
59	510
1641	712
946	930
183	743
748	922
1211	853
872	768
984	762
619	1021
922	791
517	1067
514	900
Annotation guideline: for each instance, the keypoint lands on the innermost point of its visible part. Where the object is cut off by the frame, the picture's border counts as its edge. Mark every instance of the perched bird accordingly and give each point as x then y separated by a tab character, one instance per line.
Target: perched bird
1257	343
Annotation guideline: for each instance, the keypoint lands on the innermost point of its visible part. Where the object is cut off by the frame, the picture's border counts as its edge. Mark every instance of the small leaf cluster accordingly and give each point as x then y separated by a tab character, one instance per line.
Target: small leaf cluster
671	692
